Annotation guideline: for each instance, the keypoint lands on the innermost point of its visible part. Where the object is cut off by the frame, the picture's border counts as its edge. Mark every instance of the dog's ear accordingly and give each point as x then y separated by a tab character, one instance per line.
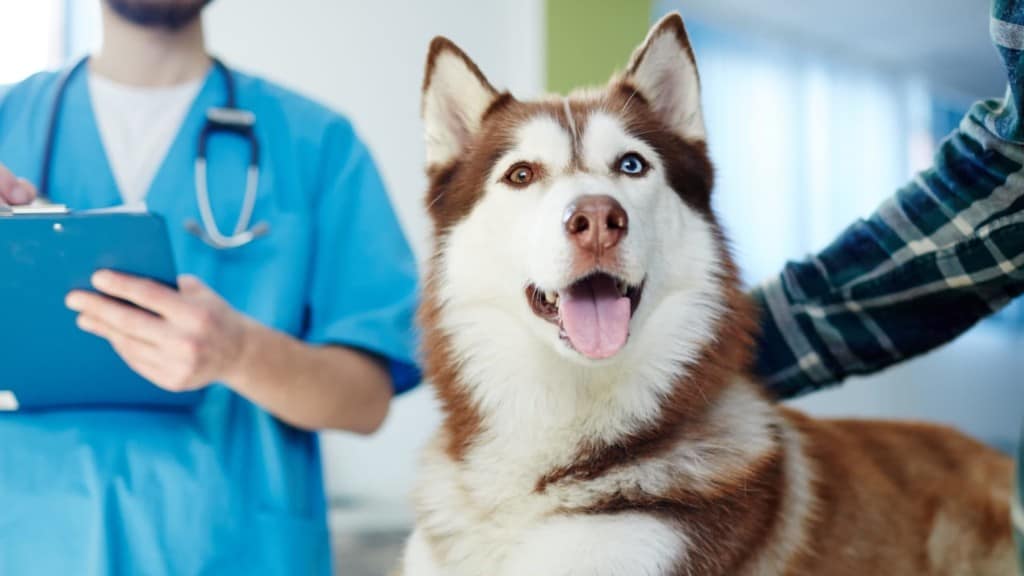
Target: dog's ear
455	98
664	72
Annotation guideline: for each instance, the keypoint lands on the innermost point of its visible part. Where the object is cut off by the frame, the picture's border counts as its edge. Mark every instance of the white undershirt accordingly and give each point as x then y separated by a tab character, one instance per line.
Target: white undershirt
137	126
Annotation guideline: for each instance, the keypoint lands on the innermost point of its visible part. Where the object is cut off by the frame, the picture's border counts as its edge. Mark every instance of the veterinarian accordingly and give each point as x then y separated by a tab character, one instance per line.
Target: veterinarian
946	251
304	327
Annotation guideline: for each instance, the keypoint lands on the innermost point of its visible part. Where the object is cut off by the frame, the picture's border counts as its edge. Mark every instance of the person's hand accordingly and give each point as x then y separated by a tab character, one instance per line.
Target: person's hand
179	341
15	191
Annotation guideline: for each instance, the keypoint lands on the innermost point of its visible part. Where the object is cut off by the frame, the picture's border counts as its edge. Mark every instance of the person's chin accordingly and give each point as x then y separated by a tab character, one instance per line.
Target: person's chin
165	14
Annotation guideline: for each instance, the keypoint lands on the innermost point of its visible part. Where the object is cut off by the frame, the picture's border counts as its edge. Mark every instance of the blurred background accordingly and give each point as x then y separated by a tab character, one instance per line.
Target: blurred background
817	110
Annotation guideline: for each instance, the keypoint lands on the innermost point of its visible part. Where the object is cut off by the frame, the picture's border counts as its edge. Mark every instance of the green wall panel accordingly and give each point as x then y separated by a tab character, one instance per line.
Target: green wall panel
587	40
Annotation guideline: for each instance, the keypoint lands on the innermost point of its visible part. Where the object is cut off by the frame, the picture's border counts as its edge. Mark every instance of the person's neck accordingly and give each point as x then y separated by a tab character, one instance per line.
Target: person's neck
149	57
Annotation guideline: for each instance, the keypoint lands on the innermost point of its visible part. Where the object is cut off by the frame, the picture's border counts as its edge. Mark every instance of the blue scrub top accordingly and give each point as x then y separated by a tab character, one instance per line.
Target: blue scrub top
227	489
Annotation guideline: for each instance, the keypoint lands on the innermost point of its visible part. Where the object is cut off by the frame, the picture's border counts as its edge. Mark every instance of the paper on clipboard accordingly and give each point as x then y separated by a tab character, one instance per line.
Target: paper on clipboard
33	209
45	208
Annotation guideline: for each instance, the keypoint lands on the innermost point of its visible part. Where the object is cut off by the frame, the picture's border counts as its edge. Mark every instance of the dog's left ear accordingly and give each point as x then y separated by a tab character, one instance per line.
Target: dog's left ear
456	95
664	72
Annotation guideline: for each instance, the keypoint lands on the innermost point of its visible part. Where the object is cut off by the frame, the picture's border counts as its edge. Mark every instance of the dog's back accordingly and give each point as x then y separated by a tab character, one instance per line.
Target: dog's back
885	488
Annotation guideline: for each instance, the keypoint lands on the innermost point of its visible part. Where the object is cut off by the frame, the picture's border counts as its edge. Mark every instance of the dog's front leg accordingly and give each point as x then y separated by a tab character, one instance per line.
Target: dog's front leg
625	544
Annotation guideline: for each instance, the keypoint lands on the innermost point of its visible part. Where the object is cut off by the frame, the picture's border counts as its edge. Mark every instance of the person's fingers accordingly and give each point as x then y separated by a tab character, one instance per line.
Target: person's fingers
7	182
130	349
26	191
13	190
7	185
149	372
125	319
154	362
147	294
140	360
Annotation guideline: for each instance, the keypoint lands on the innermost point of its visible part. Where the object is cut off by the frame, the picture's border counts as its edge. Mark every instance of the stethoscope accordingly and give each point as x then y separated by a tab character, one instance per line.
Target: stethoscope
230	119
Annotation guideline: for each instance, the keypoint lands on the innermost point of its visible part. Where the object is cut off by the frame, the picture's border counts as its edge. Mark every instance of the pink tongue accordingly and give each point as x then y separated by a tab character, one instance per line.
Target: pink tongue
596	317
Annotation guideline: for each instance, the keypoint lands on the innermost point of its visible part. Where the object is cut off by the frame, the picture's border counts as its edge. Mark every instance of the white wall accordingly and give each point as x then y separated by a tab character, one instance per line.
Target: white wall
365	58
29	38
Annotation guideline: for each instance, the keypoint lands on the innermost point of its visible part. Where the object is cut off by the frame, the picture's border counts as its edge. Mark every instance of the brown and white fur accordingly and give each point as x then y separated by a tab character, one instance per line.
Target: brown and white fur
660	456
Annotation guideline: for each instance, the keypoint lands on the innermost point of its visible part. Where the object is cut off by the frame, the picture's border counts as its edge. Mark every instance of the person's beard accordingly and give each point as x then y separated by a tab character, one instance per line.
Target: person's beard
166	14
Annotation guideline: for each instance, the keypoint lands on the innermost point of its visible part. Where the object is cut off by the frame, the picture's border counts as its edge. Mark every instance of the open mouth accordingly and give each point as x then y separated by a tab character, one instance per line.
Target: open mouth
593	313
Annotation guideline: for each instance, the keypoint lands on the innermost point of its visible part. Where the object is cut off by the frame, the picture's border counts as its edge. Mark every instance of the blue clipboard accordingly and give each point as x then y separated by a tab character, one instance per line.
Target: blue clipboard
46	362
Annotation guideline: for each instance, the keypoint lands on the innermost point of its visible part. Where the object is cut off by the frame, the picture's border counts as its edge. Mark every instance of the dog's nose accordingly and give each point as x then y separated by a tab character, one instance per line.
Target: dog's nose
596	223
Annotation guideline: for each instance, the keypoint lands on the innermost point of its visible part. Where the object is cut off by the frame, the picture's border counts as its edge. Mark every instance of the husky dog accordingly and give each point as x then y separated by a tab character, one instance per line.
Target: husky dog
587	335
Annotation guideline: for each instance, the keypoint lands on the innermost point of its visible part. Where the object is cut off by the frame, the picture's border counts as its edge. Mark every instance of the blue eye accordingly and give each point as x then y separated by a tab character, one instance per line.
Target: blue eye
632	164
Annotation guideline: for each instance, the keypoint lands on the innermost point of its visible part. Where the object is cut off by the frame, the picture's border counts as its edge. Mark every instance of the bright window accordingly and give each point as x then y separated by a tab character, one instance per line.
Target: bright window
31	37
803	145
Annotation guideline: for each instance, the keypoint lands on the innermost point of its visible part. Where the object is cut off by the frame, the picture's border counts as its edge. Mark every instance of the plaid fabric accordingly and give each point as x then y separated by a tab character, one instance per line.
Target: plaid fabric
946	251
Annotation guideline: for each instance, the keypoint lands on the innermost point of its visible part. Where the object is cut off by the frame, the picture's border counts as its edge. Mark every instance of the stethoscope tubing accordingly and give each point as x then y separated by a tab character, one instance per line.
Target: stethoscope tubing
230	119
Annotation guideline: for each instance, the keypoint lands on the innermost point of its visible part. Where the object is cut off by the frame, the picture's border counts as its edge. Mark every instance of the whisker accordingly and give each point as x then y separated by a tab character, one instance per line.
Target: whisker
434	201
628	100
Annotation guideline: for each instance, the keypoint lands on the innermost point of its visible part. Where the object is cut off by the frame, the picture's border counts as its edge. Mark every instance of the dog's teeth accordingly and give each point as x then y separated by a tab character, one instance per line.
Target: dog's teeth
550	297
623	288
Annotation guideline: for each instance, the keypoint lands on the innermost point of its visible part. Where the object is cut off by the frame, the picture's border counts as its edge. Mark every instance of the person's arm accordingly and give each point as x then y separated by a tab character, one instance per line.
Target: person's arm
302	382
946	251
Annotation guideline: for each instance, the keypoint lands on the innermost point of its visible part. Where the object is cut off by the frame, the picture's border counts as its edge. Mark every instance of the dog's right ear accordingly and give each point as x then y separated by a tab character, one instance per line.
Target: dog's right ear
456	95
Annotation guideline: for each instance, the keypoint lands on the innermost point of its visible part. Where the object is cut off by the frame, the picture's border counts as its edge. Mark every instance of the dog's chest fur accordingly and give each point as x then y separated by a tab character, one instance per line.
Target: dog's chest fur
511	500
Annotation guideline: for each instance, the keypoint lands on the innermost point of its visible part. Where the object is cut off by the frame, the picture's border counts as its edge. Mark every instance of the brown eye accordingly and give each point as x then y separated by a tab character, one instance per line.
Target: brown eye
520	175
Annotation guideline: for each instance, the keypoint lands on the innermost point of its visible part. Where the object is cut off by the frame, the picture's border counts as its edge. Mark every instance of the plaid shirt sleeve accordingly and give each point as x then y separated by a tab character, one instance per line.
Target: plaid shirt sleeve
943	253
